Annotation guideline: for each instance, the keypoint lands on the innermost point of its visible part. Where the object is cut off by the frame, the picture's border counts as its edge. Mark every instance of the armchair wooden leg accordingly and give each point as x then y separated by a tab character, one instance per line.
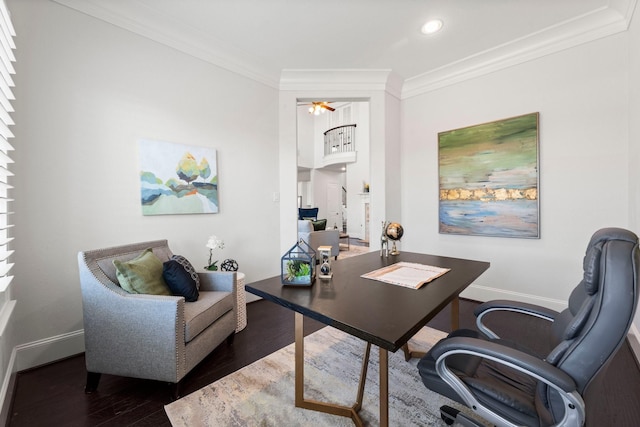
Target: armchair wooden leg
230	338
176	390
93	378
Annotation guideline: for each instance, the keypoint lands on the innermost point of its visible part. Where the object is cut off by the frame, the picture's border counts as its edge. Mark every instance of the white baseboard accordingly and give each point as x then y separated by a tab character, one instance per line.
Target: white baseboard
49	350
485	293
34	354
6	393
634	342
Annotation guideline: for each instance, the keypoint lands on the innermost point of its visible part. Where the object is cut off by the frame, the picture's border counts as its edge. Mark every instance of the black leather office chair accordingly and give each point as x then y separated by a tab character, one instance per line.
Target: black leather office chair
507	384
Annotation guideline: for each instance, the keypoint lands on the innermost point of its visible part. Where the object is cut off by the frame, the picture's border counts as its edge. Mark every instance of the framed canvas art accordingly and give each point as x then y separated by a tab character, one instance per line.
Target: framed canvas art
177	179
488	176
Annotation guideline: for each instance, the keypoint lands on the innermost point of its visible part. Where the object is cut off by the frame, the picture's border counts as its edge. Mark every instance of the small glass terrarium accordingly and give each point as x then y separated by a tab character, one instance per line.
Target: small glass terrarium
298	265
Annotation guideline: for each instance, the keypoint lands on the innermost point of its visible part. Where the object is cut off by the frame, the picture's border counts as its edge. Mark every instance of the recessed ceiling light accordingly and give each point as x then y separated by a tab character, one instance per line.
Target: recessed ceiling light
432	26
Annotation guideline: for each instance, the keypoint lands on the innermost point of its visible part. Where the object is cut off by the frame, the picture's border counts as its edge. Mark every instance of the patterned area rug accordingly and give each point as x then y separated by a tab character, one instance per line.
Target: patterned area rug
262	394
353	251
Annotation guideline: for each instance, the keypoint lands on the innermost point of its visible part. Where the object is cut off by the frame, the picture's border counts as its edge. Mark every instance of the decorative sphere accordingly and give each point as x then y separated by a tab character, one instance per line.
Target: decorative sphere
229	265
325	269
394	231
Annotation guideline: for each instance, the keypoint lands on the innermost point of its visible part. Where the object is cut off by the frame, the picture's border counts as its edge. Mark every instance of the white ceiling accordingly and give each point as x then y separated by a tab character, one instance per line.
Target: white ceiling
259	38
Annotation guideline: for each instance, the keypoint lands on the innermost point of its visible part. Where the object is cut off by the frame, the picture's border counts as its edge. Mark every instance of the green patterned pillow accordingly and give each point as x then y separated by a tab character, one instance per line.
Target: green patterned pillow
142	275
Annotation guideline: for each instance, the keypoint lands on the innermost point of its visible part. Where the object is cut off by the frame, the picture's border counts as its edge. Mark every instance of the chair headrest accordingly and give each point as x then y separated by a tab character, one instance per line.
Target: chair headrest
591	262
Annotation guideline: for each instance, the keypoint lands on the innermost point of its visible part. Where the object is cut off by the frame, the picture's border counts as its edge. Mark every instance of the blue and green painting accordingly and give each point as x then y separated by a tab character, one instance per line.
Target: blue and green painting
489	179
177	179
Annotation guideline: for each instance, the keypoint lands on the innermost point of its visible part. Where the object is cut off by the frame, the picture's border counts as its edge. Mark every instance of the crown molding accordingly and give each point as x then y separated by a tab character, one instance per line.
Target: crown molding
602	22
591	26
354	80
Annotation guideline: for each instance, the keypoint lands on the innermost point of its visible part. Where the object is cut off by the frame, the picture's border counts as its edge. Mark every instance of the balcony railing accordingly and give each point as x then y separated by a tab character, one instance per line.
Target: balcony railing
341	139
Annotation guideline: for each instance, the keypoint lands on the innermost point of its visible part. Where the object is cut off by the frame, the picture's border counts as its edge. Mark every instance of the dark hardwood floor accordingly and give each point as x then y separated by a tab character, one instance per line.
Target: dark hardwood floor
53	395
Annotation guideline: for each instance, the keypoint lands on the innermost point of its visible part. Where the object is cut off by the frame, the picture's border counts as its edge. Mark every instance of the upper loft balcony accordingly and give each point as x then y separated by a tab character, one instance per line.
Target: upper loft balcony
340	145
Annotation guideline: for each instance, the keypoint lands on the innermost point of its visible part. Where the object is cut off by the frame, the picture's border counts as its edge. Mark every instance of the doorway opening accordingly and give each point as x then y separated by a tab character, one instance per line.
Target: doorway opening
334	165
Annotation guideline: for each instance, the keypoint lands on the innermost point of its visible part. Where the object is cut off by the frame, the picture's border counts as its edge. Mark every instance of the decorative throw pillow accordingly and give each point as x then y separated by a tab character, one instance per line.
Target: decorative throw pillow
188	267
319	225
142	275
180	280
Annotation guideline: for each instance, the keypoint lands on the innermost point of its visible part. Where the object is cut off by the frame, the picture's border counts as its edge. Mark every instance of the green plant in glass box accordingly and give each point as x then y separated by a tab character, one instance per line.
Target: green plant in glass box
298	265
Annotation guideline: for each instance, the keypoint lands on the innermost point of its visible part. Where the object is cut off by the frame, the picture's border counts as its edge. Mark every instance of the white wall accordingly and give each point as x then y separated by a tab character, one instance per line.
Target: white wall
86	91
634	139
358	173
306	138
582	97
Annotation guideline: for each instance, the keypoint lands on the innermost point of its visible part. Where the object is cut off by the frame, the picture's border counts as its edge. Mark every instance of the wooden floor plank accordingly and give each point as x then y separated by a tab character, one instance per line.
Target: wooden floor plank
54	394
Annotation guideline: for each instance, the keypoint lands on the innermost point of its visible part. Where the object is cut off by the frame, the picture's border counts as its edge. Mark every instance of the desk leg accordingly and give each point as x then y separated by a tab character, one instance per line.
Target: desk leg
384	388
330	408
299	358
455	324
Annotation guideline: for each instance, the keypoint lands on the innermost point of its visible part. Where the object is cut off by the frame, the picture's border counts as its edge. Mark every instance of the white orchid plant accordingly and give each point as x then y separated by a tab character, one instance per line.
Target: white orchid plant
213	243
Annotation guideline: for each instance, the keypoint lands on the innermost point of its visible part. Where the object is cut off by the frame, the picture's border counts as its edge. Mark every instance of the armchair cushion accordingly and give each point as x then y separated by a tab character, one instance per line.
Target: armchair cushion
142	275
199	315
180	281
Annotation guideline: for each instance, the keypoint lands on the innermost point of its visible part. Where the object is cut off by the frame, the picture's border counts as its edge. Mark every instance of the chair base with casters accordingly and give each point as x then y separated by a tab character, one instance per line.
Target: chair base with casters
506	383
451	415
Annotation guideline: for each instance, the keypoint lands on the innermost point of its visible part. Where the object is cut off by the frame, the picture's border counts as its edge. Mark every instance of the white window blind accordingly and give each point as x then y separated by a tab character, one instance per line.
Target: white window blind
7	45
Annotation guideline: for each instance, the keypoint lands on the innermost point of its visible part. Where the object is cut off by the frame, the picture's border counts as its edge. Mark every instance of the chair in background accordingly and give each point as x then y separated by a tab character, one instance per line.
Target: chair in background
308	213
154	337
506	383
315	239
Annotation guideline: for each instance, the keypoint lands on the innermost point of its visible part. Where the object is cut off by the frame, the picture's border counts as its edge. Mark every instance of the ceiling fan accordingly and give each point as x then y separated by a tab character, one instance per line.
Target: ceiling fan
319	107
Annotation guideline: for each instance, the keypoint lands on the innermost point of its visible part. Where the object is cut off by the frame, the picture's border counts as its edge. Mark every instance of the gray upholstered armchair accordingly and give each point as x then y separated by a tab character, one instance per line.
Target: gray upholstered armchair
319	238
153	337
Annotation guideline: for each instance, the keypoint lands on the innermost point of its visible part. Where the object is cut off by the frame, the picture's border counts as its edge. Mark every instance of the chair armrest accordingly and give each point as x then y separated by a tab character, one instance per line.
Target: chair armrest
515	359
513	306
154	328
225	281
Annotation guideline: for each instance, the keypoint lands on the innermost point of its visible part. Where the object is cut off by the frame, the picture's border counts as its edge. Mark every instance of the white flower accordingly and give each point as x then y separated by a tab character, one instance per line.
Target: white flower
215	243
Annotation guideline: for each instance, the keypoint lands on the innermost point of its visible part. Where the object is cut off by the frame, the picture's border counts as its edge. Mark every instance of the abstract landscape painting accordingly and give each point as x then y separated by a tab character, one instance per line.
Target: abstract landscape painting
489	179
177	179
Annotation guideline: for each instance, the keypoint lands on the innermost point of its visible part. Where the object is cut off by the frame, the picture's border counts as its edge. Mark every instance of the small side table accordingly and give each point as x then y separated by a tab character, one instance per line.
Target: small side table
241	314
345	236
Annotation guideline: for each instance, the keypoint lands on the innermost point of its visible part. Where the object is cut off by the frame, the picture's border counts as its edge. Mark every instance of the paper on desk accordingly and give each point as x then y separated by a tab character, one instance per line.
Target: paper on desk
407	274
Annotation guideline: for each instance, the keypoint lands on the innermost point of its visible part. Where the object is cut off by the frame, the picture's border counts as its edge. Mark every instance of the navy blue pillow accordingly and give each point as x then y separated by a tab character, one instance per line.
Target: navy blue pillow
180	281
188	267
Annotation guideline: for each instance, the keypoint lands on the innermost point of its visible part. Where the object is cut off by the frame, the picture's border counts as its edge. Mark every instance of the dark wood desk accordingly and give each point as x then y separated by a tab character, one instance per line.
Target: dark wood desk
379	313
